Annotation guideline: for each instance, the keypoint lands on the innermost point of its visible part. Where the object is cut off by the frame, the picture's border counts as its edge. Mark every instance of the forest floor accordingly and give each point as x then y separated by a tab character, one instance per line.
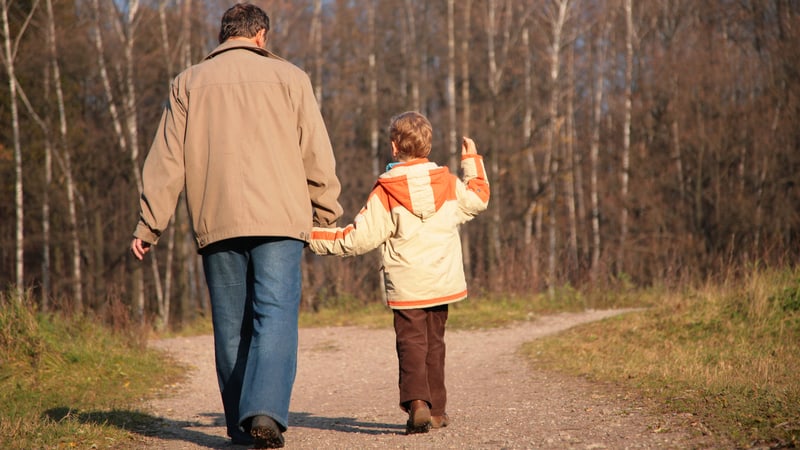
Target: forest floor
345	396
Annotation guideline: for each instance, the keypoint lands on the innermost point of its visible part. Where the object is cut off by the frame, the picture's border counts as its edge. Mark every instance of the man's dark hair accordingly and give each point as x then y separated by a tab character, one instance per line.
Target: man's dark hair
242	20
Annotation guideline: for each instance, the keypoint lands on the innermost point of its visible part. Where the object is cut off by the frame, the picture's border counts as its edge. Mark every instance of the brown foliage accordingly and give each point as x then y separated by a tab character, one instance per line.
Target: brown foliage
714	136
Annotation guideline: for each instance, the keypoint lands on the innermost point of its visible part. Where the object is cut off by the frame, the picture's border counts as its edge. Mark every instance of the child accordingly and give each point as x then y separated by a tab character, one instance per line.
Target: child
413	214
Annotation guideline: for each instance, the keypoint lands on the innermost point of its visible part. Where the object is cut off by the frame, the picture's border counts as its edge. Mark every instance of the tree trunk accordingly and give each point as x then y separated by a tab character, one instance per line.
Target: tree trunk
453	150
531	244
557	21
495	76
126	132
573	174
316	42
594	150
66	164
8	59
44	299
372	77
626	136
465	120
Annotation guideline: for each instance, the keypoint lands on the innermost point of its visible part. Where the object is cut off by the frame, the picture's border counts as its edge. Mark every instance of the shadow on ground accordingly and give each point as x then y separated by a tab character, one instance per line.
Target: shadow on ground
142	424
191	431
343	424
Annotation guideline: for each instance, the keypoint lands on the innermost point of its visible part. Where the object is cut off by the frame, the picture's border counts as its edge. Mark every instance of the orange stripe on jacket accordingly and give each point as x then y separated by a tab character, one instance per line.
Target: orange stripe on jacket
429	301
333	234
478	159
479	187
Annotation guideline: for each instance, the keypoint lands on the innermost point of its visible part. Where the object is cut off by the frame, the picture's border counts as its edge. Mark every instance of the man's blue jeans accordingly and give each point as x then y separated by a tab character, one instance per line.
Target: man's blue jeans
254	285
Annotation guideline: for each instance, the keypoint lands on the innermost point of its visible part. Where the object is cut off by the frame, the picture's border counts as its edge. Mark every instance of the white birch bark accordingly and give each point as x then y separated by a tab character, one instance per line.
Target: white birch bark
316	42
594	150
626	135
571	158
44	301
372	78
9	55
66	168
531	245
125	125
413	54
578	157
450	88
557	18
495	27
65	158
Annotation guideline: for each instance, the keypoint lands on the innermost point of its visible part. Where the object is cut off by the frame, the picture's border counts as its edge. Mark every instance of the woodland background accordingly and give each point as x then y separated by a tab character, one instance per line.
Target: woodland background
647	142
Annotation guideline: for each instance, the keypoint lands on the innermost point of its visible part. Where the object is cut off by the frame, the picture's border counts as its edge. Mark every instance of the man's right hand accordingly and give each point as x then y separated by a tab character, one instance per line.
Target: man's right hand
139	248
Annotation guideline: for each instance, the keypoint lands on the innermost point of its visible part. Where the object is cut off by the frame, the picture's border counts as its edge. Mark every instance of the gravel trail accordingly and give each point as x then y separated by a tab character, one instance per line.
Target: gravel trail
345	396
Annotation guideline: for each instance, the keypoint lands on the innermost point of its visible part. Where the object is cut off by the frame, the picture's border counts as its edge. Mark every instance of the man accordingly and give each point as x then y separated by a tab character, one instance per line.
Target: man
243	135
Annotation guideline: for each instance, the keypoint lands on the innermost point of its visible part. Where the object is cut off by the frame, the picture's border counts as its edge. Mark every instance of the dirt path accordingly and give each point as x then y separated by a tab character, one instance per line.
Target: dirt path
345	396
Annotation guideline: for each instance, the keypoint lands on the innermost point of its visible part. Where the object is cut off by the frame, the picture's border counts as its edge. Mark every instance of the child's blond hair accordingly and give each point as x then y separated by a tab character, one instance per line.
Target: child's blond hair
411	133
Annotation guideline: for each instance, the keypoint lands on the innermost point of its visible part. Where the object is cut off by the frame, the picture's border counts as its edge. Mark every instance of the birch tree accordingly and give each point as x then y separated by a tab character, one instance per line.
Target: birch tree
626	135
531	237
556	16
496	27
125	125
372	81
571	157
316	43
594	149
410	51
450	90
10	46
466	116
65	161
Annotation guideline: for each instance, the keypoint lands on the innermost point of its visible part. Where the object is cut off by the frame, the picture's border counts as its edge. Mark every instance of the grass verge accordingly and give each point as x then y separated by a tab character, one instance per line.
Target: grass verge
71	383
476	312
725	355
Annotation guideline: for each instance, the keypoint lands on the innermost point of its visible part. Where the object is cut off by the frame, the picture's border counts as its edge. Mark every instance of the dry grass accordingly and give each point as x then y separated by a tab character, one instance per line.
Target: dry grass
726	354
72	383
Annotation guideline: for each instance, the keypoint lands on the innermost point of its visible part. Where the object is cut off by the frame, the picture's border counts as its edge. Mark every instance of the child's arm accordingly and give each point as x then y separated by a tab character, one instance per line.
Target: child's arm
473	194
370	228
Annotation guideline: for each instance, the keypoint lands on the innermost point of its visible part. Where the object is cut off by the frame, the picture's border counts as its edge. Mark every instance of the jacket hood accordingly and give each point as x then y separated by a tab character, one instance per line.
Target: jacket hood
420	186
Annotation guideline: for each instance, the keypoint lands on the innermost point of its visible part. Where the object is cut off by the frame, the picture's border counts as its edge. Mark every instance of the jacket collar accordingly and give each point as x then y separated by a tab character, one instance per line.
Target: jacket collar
232	44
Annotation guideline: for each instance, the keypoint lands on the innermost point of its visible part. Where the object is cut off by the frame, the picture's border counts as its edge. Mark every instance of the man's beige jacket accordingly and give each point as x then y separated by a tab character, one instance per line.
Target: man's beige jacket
244	137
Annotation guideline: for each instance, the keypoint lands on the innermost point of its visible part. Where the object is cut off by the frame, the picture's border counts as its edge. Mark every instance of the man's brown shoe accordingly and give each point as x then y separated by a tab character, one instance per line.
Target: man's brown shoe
266	433
440	421
419	417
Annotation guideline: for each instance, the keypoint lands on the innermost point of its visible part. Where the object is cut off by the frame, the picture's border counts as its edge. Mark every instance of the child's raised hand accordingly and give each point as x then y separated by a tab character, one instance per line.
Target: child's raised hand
468	147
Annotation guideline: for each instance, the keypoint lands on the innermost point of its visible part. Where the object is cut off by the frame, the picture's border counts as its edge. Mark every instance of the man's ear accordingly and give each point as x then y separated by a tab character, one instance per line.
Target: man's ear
261	38
394	150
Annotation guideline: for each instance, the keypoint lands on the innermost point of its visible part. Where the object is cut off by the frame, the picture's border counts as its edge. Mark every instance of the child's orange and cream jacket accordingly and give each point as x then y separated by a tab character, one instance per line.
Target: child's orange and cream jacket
413	214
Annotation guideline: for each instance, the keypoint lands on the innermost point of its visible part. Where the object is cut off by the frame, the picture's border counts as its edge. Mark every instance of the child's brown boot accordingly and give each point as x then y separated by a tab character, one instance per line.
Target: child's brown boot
440	421
419	417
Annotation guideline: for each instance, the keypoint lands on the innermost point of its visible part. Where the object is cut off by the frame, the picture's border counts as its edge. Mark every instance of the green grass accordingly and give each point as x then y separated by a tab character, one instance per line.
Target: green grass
728	355
72	383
